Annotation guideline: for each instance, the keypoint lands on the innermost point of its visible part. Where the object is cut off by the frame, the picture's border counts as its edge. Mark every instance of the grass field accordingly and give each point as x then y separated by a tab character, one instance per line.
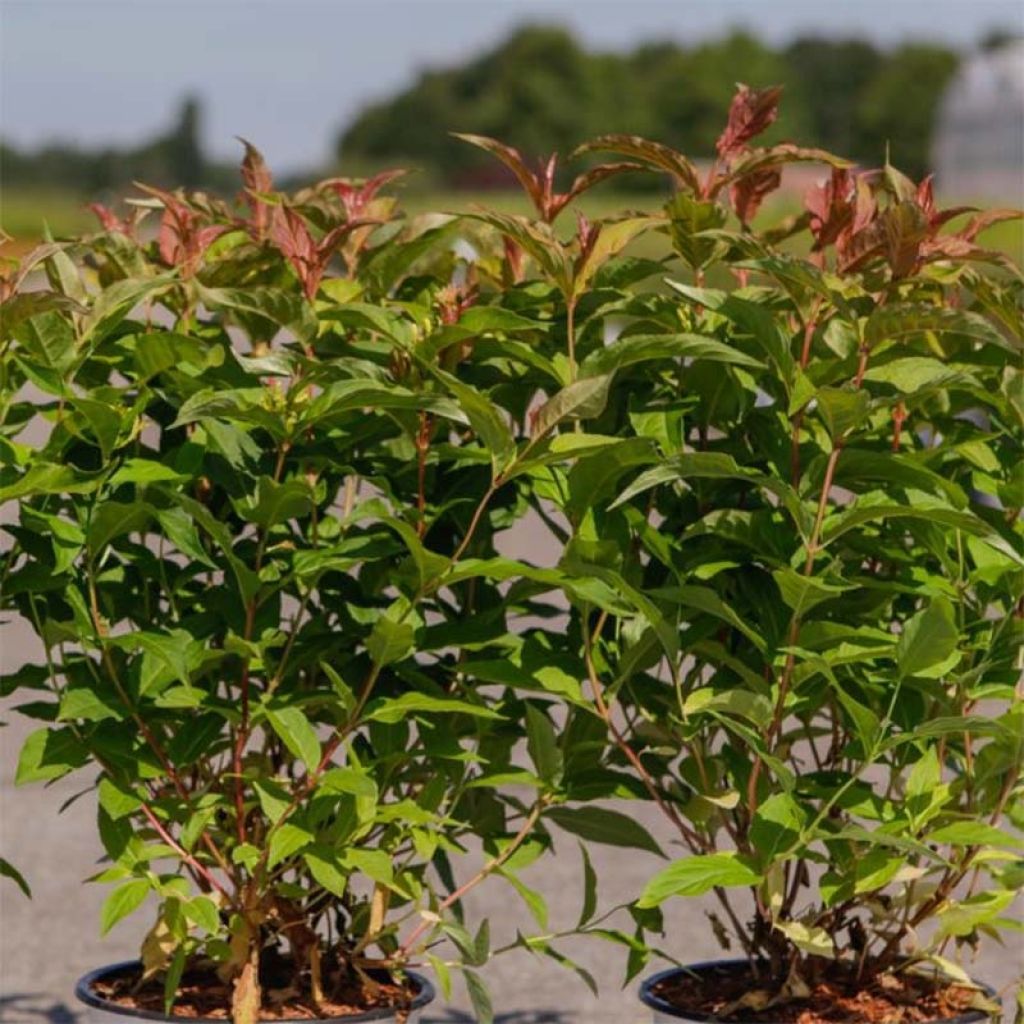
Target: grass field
25	213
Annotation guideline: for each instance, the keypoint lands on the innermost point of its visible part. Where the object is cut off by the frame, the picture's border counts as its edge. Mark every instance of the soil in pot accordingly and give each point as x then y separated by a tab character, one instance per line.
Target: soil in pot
203	996
728	992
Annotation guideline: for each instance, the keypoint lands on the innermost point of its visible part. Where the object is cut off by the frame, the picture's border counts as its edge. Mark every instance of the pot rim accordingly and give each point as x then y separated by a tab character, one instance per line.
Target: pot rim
649	998
84	993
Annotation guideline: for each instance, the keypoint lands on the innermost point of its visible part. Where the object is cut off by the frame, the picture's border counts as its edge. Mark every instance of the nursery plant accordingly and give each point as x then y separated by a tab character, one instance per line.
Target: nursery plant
264	453
255	535
801	504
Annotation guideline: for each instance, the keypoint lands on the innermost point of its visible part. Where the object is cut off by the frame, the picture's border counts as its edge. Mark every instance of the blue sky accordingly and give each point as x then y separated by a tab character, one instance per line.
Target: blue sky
288	73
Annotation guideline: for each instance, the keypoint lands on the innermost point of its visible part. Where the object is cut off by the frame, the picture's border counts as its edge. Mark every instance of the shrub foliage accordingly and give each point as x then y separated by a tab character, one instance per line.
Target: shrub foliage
264	456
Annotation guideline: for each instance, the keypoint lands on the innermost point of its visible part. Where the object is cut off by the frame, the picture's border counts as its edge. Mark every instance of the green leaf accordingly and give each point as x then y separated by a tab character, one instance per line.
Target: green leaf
599	825
877	506
173	978
117	801
115	302
479	997
377	865
326	869
542	745
123	901
104	422
486	419
113	519
242	405
641	348
538	241
8	870
84	704
927	640
755	707
286	840
875	870
914	374
443	974
802	593
48	754
705	599
811	939
689	218
973	833
180	530
277	503
694	876
583	399
775	830
203	911
589	905
297	734
165	656
144	471
156	352
391	710
612	238
751	317
481	319
274	799
273	305
842	409
896	322
389	641
387	265
49	478
355	783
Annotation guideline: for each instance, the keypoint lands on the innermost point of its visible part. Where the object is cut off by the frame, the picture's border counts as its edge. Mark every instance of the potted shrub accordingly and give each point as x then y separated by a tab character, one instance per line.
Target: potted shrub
255	537
801	529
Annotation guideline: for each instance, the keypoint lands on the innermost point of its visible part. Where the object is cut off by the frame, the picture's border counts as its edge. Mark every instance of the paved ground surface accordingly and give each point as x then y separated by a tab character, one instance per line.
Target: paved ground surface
46	943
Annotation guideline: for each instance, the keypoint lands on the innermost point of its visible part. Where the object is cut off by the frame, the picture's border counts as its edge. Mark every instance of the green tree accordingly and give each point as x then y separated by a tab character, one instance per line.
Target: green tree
539	91
686	90
898	107
830	77
183	152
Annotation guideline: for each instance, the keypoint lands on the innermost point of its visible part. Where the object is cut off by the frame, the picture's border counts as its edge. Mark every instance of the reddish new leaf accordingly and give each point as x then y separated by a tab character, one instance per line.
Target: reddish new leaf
831	206
749	192
653	155
258	181
355	197
513	160
752	112
588	179
185	233
985	220
904	229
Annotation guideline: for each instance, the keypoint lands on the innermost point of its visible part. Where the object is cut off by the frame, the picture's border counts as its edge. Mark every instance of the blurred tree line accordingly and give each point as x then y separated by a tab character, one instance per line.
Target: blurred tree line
540	91
173	158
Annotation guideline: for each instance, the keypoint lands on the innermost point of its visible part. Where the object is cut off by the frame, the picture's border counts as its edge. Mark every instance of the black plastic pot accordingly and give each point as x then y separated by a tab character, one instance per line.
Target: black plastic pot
103	1011
665	1013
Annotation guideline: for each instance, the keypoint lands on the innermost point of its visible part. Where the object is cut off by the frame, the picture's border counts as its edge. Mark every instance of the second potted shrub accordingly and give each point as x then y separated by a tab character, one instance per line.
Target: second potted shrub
812	528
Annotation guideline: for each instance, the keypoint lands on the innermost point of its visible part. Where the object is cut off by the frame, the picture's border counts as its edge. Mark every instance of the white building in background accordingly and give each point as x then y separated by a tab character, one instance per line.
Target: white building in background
979	138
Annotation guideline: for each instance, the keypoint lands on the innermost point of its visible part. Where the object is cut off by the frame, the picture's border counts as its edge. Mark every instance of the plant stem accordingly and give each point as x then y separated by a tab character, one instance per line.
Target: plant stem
795	622
691	838
489	868
570	335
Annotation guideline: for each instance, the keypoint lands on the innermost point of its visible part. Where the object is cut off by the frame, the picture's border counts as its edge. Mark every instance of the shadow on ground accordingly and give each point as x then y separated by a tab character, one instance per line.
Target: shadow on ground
519	1017
31	1008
